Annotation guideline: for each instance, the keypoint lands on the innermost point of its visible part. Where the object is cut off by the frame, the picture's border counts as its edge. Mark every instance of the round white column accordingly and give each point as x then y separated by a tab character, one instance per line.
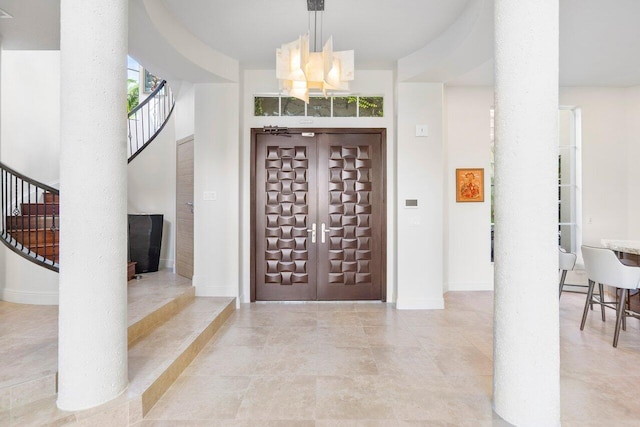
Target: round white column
93	194
526	325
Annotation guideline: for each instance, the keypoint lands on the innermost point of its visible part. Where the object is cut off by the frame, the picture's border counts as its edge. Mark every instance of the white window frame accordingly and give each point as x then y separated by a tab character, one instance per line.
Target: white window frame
575	180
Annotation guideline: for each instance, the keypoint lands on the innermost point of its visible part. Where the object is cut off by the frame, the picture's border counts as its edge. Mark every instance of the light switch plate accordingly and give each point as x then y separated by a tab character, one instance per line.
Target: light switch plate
209	195
422	130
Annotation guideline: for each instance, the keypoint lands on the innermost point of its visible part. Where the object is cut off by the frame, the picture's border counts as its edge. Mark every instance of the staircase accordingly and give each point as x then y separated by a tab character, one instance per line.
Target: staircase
36	227
30	209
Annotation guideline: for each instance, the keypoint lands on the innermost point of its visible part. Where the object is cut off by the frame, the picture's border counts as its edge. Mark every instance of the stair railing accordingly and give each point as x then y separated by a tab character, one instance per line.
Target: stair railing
149	118
30	217
30	209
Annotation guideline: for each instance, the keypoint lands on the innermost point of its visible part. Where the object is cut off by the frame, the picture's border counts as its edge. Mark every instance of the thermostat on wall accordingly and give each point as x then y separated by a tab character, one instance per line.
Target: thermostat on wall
411	203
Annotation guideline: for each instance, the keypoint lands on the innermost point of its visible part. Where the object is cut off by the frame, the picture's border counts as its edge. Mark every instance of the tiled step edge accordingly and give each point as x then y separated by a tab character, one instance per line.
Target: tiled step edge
28	391
147	324
161	384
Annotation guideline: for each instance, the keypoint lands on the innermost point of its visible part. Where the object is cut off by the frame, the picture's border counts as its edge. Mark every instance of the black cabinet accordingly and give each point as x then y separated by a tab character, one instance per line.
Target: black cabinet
145	238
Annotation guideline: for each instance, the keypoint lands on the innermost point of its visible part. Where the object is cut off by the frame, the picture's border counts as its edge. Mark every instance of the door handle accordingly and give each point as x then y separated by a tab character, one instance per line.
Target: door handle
324	230
312	230
190	204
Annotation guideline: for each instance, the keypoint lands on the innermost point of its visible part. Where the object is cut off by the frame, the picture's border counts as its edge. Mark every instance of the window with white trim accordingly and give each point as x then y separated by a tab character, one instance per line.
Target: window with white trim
319	106
569	176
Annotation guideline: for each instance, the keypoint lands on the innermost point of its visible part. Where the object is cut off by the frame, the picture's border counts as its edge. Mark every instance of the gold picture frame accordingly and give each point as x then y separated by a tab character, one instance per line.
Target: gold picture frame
470	185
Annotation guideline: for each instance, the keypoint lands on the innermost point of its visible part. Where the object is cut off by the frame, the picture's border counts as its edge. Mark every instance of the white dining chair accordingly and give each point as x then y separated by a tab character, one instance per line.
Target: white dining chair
604	267
566	262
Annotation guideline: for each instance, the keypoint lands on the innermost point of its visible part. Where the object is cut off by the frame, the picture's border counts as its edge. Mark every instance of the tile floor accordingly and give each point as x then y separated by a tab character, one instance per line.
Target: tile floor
371	365
361	364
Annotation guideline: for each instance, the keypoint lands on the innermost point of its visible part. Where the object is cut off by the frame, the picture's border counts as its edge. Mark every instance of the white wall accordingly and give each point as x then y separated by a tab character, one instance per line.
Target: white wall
605	142
468	264
610	156
633	162
151	187
30	105
184	110
370	82
216	153
420	173
29	143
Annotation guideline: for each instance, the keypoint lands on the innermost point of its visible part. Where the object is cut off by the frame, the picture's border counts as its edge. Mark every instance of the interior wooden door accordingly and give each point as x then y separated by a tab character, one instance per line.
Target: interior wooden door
318	216
285	201
184	208
350	188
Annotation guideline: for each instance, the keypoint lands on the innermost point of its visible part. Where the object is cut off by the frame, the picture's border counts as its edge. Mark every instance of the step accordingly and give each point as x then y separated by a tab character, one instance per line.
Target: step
33	237
51	198
158	359
40	208
168	326
47	250
20	222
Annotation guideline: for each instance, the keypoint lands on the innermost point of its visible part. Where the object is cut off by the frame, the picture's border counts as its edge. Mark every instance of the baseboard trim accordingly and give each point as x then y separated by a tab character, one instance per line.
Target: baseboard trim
470	286
420	304
22	297
166	264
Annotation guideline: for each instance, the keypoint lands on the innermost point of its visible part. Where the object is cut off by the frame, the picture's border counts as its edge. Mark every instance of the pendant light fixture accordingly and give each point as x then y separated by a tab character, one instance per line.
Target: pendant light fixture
300	71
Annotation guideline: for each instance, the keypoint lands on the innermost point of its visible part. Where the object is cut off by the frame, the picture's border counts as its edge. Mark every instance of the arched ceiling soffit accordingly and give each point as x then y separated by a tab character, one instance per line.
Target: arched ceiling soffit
463	46
160	42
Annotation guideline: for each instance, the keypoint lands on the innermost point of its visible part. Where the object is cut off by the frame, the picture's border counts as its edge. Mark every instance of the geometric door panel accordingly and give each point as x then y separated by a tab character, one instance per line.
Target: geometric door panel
318	217
350	175
285	196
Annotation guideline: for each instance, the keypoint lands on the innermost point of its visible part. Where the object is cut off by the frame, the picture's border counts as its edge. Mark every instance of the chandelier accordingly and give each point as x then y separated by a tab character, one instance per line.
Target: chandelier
300	71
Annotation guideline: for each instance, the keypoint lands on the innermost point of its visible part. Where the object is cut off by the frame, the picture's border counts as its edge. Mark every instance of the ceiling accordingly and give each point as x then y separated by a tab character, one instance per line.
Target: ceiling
380	31
599	39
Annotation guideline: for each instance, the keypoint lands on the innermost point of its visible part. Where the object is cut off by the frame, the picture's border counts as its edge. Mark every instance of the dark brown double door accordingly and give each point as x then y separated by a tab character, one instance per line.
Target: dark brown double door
319	216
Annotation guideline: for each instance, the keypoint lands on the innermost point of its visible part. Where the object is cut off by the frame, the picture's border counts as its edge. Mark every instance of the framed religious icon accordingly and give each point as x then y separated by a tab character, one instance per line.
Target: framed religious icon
469	185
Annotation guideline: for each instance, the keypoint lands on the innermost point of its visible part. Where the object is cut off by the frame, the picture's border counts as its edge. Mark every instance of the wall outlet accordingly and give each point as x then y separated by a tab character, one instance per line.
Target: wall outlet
209	195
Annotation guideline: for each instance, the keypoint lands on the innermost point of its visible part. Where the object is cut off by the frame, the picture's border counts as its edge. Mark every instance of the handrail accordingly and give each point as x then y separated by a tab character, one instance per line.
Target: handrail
148	119
30	210
30	217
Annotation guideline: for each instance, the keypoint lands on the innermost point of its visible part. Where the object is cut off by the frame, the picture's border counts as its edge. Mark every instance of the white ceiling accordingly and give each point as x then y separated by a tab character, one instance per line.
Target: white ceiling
599	39
380	31
35	25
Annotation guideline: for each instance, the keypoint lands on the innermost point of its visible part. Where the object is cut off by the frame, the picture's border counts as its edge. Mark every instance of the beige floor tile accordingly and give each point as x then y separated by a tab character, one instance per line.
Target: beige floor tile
341	365
288	360
42	412
390	336
225	360
5	399
305	318
5	418
338	318
279	398
250	337
356	423
379	318
245	317
433	338
404	361
346	361
303	336
599	397
463	361
351	398
201	398
345	336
